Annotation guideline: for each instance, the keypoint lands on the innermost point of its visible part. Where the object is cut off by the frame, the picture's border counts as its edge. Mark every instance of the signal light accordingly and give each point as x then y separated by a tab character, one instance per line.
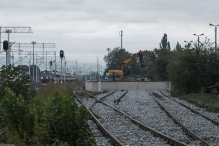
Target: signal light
61	53
50	63
5	45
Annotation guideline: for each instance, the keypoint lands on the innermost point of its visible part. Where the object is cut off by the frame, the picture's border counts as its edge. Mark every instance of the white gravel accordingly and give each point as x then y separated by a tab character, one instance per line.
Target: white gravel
124	130
143	108
199	125
212	115
101	140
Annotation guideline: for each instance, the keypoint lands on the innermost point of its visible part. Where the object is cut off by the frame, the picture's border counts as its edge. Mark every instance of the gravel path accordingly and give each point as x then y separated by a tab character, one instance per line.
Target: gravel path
143	108
199	125
212	115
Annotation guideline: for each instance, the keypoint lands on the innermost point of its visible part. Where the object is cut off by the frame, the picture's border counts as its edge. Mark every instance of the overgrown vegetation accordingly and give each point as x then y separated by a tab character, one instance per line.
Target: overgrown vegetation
52	117
208	101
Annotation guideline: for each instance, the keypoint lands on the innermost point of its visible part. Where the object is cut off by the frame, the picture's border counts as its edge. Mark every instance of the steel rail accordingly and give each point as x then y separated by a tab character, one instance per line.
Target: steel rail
106	132
181	124
91	108
169	140
193	110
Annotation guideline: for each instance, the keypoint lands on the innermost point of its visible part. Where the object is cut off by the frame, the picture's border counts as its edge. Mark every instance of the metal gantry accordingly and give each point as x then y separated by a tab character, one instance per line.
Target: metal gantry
9	30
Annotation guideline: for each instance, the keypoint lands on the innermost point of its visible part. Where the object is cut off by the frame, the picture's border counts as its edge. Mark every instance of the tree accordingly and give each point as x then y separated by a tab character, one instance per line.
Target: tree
115	59
178	47
164	43
192	70
12	78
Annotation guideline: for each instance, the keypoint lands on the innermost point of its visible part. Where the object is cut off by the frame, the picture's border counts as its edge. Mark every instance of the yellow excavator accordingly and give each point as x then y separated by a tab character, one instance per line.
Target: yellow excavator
117	73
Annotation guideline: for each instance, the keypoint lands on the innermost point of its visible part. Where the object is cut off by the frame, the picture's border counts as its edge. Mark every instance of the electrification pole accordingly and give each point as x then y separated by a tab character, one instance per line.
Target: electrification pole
33	58
215	35
121	34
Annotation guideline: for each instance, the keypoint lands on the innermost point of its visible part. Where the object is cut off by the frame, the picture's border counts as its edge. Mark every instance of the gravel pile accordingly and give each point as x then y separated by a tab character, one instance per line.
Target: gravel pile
143	108
212	115
199	125
124	130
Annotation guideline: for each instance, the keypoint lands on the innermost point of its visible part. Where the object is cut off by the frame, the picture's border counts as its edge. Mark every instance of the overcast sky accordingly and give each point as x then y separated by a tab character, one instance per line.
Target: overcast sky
86	28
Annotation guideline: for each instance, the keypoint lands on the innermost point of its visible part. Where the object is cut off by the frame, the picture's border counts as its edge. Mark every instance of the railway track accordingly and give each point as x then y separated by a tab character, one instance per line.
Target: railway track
113	140
193	110
197	125
132	137
148	112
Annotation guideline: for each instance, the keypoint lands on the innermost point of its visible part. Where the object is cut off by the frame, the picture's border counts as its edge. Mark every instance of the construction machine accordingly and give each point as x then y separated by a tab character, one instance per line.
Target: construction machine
119	73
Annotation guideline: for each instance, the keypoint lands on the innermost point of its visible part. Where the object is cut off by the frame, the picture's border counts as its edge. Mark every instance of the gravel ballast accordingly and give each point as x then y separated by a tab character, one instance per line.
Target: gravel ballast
198	124
143	108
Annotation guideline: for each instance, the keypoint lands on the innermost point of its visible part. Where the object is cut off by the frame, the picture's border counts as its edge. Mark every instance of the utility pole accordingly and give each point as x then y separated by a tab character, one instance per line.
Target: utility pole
198	37
33	58
97	68
8	55
9	30
50	64
29	62
121	34
108	49
215	35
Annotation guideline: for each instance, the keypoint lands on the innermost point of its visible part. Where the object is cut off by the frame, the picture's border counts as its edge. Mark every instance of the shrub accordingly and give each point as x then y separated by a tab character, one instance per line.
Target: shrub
16	116
11	77
59	120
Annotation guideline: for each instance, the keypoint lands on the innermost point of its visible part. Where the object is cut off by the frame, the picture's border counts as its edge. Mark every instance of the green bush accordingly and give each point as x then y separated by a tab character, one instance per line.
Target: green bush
59	120
16	116
11	77
54	120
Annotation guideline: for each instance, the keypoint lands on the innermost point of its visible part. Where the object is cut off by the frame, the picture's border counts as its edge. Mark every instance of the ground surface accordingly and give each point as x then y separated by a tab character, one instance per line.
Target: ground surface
142	107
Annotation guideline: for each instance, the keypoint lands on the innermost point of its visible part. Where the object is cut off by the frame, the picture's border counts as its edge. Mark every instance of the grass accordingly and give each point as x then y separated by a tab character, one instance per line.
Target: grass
65	88
208	101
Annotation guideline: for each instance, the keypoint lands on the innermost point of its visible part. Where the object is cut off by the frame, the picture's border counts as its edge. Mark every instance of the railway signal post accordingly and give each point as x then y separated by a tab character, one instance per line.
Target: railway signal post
5	47
61	56
50	71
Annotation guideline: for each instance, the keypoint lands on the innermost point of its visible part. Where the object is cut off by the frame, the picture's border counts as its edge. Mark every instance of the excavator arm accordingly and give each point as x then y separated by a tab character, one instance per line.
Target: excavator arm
116	73
140	55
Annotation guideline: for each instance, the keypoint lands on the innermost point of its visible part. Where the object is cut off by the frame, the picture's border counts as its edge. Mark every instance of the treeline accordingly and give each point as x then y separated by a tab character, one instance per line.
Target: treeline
191	68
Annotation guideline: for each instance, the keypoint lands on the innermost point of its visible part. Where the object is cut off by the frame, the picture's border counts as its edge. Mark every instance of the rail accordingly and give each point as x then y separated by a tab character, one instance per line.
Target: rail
181	124
106	132
169	140
193	110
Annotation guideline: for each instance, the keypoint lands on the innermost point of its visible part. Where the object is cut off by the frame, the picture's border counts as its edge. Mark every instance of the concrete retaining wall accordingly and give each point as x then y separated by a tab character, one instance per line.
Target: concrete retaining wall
163	86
